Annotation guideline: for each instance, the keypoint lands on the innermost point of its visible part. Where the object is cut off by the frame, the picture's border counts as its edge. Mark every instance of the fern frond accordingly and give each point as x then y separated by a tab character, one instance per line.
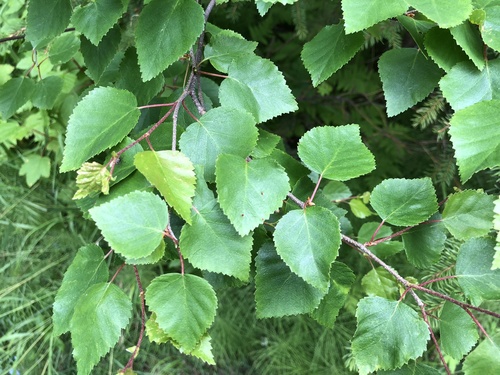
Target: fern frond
429	113
389	31
299	19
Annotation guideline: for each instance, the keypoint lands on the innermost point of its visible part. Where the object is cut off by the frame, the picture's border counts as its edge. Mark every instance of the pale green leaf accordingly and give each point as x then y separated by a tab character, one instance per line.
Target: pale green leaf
262	7
379	282
473	270
413	368
165	31
361	14
383	249
475	134
114	115
46	19
172	173
485	358
443	49
13	94
359	208
132	224
446	13
96	18
468	37
424	244
469	214
496	226
329	51
257	86
219	131
308	241
278	291
464	85
152	258
5	73
46	92
63	48
249	191
226	47
404	202
336	153
265	144
341	279
184	305
490	28
336	191
98	318
87	268
407	78
389	334
35	167
457	331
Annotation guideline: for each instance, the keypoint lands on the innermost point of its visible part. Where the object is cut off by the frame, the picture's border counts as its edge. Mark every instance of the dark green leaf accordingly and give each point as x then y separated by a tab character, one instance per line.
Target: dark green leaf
225	47
443	49
13	94
336	191
412	369
63	48
361	14
468	37
457	331
417	26
265	144
294	169
423	244
383	249
46	19
46	92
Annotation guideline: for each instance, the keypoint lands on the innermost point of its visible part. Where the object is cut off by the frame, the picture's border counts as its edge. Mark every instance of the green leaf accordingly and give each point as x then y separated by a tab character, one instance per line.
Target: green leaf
443	49
468	37
389	334
464	85
423	244
379	282
361	14
474	272
412	369
99	121
152	258
63	48
407	78
172	173
417	26
46	19
219	131
226	47
468	214
446	13
336	191
98	57
278	291
212	230
308	241
87	268
404	202
329	51
485	358
133	224
165	31
490	29
359	208
92	178
265	144
249	191
496	226
341	279
95	19
35	167
46	92
475	134
383	249
336	153
256	85
294	169
457	331
184	305
13	94
100	315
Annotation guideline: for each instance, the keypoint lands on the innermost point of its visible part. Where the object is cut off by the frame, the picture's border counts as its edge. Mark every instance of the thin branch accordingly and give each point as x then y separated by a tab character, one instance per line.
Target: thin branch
481	328
117	272
176	108
310	200
22	36
296	200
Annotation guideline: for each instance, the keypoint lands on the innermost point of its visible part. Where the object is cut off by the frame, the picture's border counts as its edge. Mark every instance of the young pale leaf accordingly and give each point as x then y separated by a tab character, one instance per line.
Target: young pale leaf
100	315
257	86
413	368
63	48
457	331
446	13
464	85
407	78
469	39
35	167
389	334
133	224
361	14
184	306
308	241
172	173
336	153
475	134
404	202
379	282
13	94
341	279
278	291
46	19
443	49
99	121
329	51
423	244
92	178
165	31
478	281
468	214
225	47
87	268
219	131
249	191
96	18
485	358
46	92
